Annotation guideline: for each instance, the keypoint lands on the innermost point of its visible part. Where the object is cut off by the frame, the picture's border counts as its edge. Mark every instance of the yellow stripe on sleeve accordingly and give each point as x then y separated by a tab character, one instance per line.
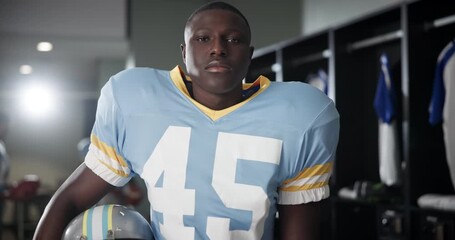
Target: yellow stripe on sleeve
312	171
304	187
108	150
116	171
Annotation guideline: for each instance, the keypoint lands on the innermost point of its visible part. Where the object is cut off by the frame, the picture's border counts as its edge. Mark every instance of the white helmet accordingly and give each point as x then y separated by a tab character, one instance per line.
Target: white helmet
108	222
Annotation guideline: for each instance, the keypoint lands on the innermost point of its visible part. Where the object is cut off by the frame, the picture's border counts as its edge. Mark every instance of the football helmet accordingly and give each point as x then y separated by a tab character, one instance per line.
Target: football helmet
108	222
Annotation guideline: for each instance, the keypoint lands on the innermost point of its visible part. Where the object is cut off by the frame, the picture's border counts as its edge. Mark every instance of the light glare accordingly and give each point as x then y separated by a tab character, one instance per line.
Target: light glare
37	101
44	46
26	69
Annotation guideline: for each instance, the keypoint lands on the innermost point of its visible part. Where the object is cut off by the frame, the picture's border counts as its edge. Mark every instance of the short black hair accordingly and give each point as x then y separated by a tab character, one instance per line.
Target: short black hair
218	5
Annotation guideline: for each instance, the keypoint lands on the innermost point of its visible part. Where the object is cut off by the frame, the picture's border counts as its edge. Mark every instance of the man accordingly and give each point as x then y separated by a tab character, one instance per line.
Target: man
218	158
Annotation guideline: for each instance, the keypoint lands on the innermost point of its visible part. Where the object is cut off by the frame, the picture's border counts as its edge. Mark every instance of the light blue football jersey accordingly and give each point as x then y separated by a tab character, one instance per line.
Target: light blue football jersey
214	174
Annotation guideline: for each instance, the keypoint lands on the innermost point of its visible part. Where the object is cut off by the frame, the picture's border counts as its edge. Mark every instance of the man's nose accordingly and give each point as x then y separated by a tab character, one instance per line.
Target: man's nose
218	47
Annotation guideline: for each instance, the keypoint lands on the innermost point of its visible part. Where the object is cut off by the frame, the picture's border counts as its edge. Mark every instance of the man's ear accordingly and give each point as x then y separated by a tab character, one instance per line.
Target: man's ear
183	49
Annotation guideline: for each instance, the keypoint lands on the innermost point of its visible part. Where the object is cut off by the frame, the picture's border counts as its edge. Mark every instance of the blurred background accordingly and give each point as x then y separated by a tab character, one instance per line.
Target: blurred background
55	55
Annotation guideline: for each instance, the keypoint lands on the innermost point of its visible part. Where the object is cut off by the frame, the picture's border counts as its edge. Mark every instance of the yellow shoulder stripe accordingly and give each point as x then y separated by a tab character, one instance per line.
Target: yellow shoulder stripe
108	150
304	187
116	171
312	171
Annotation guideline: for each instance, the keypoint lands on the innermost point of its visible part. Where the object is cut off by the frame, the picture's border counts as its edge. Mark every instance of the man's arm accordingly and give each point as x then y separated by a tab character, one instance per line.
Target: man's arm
78	193
299	222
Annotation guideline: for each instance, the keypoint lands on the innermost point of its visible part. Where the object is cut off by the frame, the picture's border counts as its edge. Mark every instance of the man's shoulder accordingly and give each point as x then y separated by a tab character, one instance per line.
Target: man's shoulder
136	83
140	73
303	101
300	91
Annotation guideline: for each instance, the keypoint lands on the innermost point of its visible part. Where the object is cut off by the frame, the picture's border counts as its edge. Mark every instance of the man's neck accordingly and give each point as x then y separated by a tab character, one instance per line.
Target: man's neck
218	101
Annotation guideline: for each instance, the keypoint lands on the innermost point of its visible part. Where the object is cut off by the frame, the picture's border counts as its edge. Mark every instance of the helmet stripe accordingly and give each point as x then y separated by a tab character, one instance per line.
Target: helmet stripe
107	220
89	224
84	224
97	223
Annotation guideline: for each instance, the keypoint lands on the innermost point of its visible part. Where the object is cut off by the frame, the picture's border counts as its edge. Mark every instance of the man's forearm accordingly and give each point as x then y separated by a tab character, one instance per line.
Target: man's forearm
55	218
80	191
299	222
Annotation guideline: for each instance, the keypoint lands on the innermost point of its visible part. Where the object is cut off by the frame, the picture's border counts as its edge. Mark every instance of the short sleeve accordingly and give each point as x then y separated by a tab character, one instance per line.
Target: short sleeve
309	180
104	157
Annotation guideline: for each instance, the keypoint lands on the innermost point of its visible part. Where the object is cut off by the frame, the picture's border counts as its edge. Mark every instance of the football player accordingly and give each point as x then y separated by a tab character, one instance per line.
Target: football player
219	158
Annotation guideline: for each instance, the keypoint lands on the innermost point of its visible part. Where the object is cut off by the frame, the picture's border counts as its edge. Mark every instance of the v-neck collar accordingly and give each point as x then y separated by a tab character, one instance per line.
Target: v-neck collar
261	83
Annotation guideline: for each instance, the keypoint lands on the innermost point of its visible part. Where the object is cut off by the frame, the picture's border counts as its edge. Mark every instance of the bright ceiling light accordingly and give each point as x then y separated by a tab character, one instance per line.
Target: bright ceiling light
44	46
26	69
37	101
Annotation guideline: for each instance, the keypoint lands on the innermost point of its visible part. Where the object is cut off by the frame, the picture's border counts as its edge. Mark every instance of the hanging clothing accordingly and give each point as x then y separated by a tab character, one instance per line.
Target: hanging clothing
384	104
442	106
319	80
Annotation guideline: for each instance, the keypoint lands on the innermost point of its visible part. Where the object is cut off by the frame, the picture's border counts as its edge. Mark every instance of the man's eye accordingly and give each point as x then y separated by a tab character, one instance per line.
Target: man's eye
202	39
233	40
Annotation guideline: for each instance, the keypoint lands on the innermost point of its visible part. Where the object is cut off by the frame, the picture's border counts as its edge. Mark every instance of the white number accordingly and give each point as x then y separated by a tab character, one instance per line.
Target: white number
170	158
230	148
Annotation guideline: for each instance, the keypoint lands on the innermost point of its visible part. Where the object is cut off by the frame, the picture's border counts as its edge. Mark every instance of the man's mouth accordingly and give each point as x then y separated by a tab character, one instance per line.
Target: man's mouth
217	67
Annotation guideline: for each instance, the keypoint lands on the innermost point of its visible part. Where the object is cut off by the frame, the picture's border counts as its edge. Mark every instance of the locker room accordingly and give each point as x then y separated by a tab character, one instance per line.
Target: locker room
388	67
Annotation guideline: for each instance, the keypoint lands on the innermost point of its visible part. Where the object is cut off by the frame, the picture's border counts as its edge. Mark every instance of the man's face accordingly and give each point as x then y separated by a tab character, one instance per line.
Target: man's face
217	51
